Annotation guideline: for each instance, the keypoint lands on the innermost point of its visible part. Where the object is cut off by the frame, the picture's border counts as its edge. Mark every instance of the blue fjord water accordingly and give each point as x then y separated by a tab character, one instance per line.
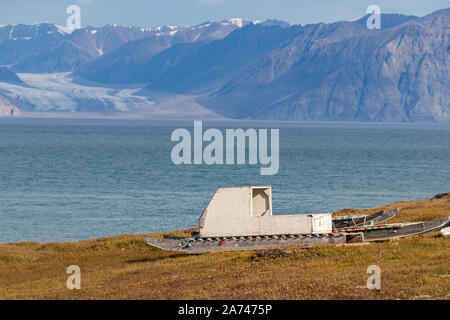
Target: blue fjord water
64	180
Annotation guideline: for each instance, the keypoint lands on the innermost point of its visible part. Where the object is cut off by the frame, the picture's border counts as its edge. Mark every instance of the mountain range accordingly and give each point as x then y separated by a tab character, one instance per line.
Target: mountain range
235	68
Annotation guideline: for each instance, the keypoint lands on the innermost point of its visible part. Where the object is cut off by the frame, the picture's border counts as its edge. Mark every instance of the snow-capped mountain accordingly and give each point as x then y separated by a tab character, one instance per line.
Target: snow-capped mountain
21	42
235	68
143	60
45	47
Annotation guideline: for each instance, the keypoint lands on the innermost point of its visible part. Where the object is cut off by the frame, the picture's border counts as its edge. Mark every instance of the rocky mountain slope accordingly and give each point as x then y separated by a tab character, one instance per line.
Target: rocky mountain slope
46	48
241	69
340	72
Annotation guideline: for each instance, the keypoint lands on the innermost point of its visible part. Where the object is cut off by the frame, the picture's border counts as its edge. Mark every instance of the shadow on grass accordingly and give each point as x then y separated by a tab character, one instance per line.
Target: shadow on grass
158	258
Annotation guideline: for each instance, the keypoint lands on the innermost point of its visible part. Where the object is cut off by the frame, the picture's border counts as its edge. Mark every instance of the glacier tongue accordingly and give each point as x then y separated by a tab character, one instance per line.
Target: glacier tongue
59	93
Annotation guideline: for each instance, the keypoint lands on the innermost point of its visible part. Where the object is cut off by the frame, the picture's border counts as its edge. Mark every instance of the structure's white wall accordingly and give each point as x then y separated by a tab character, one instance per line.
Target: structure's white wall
229	213
285	224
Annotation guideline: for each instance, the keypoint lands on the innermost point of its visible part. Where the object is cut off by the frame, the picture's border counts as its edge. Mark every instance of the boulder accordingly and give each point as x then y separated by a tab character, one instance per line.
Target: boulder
442	195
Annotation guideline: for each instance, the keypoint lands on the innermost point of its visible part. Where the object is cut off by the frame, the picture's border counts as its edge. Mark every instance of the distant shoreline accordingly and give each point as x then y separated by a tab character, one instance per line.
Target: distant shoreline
133	116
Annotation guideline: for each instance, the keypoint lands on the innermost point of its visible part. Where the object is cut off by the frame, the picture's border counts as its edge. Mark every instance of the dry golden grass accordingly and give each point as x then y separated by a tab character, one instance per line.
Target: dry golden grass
124	267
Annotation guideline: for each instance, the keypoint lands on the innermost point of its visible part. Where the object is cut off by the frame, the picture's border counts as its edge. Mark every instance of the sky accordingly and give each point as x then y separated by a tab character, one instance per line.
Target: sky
150	13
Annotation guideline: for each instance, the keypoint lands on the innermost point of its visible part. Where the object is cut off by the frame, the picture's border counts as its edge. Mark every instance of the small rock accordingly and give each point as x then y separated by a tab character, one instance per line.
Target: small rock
272	253
445	232
442	195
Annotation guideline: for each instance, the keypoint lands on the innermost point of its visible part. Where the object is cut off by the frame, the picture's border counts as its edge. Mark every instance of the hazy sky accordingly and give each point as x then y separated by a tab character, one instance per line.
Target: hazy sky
147	13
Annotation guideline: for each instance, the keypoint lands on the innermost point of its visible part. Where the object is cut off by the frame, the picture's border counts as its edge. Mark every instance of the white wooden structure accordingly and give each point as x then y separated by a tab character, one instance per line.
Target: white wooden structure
247	211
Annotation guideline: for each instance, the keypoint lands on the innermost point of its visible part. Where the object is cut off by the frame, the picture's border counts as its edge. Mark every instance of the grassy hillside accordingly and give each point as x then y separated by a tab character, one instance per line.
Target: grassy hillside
124	267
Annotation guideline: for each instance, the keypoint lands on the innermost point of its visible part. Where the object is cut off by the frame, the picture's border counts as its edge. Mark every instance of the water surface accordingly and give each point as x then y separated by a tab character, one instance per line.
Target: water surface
64	180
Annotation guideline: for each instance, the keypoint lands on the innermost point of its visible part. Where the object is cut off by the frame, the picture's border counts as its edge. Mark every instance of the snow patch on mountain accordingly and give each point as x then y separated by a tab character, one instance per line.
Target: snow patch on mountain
237	21
64	30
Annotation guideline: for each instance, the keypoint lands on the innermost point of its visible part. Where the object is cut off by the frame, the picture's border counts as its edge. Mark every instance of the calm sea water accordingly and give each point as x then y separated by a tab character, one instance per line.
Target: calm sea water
63	180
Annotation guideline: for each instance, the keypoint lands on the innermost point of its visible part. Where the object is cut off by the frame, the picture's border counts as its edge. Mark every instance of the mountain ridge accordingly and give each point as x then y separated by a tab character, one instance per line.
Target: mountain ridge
384	75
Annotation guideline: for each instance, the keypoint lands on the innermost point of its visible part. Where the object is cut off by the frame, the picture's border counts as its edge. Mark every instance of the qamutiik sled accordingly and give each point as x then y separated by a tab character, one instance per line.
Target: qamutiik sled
363	220
240	218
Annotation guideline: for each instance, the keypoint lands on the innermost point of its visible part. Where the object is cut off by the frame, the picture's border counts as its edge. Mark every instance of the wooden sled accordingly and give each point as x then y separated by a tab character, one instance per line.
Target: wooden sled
398	230
363	220
199	245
